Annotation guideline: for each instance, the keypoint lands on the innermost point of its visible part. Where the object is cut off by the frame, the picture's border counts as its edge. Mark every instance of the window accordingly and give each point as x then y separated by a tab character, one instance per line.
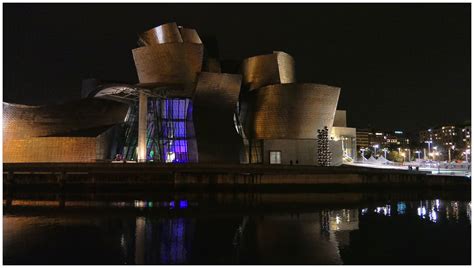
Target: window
275	157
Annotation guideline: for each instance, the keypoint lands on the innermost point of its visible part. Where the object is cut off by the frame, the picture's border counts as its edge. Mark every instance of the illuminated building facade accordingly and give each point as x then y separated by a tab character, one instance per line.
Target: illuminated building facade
442	136
447	139
362	138
387	139
345	134
279	118
74	131
184	109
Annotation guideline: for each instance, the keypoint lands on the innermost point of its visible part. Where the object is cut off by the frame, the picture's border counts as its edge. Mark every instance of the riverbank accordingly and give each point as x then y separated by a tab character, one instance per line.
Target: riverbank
239	228
136	176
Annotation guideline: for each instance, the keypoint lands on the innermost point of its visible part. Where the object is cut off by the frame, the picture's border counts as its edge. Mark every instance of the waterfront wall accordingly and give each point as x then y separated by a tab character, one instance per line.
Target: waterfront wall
225	176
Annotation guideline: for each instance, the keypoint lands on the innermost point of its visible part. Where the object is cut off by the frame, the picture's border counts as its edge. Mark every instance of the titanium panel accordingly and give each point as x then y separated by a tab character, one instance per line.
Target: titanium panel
289	111
172	63
286	67
22	121
165	33
263	70
214	105
340	119
50	149
190	36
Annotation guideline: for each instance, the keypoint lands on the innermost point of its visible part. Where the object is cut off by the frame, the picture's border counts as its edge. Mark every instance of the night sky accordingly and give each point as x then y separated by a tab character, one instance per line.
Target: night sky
400	66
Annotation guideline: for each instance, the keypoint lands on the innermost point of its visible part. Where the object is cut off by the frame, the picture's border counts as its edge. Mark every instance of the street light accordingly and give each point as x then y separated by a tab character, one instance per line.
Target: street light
409	154
429	146
449	153
437	157
375	149
403	155
466	153
385	152
437	154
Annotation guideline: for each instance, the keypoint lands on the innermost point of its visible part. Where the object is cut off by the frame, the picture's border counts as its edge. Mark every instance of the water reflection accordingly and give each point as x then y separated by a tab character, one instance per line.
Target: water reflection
375	233
426	209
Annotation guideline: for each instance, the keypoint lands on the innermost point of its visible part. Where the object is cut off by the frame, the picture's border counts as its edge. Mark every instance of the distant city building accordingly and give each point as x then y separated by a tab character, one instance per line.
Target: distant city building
442	136
397	138
466	136
389	139
446	140
377	138
362	138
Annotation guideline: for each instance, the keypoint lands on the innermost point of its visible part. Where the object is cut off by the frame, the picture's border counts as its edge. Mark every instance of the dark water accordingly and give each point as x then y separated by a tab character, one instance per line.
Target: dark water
316	228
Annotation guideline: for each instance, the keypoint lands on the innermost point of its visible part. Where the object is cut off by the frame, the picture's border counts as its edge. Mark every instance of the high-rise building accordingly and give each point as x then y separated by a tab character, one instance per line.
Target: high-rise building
362	138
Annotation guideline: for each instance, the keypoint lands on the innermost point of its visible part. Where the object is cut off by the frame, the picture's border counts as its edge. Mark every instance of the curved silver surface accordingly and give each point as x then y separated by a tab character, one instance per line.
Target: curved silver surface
190	35
263	70
289	111
172	63
214	104
165	33
22	121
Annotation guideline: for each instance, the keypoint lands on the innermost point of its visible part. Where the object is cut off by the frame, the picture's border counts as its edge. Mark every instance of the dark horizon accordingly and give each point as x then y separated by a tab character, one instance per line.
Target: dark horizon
400	66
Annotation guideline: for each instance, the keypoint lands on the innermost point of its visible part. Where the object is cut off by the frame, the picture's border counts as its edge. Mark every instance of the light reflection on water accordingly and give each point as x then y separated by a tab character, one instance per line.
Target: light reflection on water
320	236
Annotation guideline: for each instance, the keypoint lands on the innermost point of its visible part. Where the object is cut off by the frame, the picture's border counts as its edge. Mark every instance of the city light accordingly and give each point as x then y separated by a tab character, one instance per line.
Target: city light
375	148
418	153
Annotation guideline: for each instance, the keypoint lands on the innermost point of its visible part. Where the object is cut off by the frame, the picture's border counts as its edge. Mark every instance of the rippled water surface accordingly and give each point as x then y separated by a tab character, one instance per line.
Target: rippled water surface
230	229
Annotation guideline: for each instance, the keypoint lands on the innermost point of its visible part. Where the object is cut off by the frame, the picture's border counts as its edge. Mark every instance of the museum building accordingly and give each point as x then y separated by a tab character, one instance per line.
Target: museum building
184	109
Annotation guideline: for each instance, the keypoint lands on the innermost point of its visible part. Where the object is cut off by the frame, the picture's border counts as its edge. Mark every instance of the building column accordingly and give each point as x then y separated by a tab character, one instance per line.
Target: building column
142	126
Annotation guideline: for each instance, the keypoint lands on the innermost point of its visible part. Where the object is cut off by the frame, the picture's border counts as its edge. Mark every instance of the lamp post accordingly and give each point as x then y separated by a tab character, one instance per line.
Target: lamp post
375	149
385	152
449	153
362	152
437	156
409	155
429	146
466	153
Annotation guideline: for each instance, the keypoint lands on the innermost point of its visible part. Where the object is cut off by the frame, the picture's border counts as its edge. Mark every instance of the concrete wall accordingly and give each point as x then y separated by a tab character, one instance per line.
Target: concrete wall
305	151
340	119
336	149
291	150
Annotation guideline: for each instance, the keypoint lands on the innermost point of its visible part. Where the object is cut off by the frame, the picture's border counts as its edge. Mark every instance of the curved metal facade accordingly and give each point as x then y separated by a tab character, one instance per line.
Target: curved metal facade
263	70
170	56
22	121
214	104
169	33
165	33
289	111
190	36
172	63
